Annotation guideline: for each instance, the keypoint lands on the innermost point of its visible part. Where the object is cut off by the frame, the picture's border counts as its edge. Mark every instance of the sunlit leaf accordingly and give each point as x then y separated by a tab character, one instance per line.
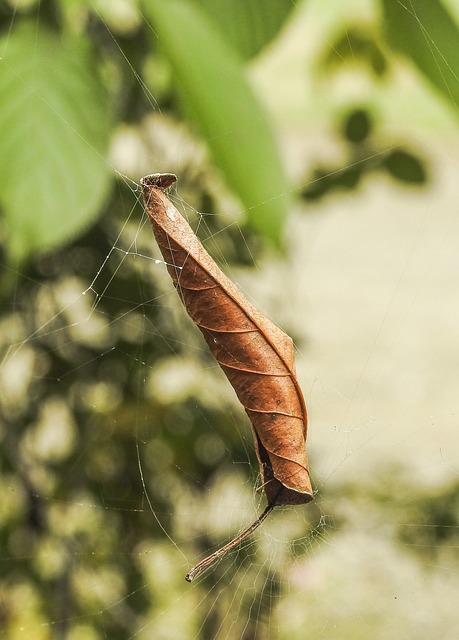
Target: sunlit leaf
54	128
209	78
425	32
248	26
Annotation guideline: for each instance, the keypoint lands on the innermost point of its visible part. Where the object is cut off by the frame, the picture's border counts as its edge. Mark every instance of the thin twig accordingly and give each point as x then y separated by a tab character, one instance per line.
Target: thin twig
207	562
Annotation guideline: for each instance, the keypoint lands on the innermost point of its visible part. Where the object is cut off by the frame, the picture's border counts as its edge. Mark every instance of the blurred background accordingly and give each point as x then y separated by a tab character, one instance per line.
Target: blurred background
317	150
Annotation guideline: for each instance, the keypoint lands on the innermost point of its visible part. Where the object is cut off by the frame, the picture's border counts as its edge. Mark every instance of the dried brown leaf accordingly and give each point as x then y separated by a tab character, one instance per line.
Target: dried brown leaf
256	356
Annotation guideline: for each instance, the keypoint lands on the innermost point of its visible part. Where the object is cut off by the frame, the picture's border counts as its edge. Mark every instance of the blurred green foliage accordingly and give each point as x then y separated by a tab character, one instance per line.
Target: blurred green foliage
363	158
427	33
358	47
436	536
62	97
84	389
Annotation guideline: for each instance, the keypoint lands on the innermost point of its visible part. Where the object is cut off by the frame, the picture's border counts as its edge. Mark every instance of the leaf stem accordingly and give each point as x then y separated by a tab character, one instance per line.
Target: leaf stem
207	562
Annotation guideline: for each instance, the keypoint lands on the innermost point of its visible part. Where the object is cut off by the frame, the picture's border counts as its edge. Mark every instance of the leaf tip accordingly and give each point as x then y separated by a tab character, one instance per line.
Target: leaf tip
161	180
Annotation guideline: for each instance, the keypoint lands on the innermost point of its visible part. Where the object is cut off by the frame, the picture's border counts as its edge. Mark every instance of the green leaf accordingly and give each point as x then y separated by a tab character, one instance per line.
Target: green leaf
424	31
54	129
405	166
355	45
248	26
209	78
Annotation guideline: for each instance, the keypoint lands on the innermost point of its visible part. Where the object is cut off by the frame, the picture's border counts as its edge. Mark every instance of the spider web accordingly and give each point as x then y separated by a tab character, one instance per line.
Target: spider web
369	293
